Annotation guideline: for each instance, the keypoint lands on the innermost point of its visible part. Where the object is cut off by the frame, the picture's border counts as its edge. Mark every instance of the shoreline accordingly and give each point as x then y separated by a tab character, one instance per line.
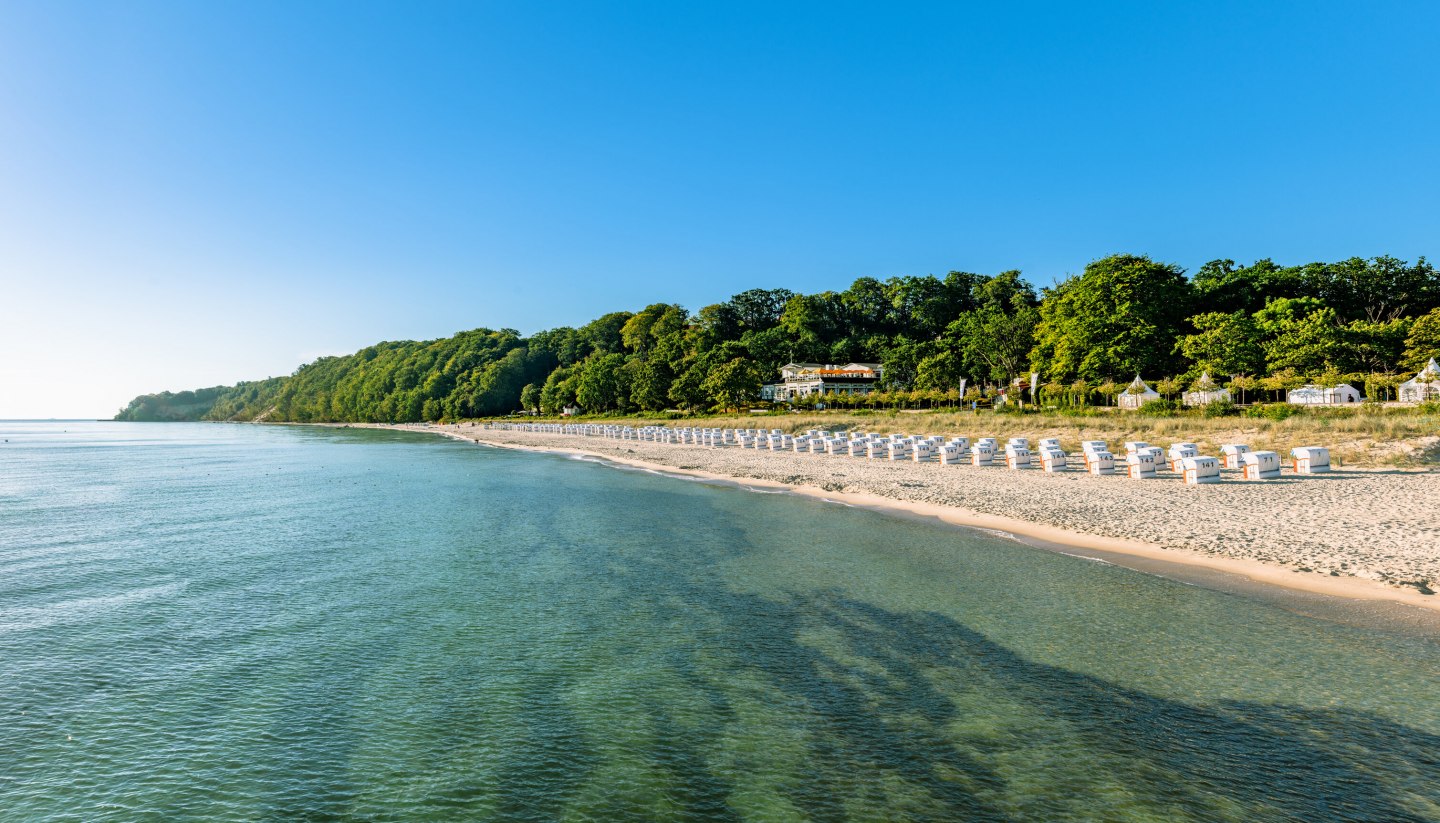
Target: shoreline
1138	555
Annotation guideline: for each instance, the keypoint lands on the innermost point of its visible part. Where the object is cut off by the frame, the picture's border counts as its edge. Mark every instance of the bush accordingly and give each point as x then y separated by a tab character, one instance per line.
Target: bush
1159	408
1219	408
1273	411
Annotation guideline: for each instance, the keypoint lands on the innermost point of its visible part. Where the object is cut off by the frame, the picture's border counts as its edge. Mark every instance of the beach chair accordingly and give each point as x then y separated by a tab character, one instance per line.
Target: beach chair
1311	460
1200	471
1260	465
1052	461
1017	457
982	454
1180	451
1141	465
1099	462
951	455
1161	464
1233	454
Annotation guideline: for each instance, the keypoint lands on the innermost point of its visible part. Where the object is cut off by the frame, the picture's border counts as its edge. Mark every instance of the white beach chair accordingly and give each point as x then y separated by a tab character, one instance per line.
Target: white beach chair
1052	460
1133	446
1141	465
982	454
1200	471
1261	465
1017	457
1233	454
1180	451
1099	462
1311	459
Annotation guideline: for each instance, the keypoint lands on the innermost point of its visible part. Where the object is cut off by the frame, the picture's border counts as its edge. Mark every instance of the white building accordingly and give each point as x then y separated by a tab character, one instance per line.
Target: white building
1204	392
1136	394
805	379
1319	395
1423	386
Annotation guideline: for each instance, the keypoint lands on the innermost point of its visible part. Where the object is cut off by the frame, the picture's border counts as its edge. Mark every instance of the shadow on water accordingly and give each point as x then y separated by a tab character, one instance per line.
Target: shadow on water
550	763
875	704
1273	761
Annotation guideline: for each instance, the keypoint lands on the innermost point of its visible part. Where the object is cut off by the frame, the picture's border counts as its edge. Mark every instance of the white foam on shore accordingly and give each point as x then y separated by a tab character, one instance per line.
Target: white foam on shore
1087	557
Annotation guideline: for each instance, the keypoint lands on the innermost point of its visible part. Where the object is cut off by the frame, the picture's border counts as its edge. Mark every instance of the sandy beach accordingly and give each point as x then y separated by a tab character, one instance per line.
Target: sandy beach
1363	534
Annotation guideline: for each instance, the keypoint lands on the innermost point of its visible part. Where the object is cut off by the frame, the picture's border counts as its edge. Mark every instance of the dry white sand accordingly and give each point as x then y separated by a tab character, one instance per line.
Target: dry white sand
1340	533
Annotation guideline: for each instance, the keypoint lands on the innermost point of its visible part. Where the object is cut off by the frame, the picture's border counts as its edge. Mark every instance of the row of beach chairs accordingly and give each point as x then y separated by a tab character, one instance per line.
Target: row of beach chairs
1141	460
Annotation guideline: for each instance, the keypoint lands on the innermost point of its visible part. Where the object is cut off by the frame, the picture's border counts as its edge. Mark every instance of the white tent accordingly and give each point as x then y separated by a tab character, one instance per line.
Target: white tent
1423	386
1136	394
1316	395
1205	391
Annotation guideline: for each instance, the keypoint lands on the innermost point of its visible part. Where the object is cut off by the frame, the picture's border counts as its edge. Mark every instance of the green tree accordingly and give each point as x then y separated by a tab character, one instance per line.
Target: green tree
994	339
1423	342
760	309
603	333
1303	335
733	383
1225	288
558	391
1121	316
687	390
530	397
1223	343
1379	289
601	383
1376	346
649	384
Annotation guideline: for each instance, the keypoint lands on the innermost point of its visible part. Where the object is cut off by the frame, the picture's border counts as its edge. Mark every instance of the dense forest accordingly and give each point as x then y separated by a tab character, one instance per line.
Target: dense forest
1258	327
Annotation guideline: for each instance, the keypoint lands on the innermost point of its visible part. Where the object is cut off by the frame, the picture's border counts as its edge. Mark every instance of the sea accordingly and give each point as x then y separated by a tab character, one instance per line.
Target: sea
220	622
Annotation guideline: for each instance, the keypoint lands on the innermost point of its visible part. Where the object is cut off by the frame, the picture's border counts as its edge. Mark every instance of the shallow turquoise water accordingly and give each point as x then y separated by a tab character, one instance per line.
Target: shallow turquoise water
216	622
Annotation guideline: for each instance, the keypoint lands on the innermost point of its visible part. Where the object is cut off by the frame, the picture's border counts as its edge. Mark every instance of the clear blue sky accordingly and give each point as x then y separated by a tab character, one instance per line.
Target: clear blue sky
198	193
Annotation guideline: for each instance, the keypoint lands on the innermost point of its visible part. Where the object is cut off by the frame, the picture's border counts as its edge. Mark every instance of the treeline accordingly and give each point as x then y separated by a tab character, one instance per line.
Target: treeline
1124	315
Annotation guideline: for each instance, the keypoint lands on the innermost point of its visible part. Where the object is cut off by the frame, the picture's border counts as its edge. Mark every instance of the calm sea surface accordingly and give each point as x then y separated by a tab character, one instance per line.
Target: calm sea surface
211	622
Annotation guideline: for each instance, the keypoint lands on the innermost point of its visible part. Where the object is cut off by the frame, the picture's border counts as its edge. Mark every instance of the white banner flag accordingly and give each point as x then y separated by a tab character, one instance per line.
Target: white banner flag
962	387
1034	383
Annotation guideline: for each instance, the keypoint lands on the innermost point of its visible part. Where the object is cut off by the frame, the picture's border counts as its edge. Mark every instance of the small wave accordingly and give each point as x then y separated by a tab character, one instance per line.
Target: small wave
1087	557
1003	535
